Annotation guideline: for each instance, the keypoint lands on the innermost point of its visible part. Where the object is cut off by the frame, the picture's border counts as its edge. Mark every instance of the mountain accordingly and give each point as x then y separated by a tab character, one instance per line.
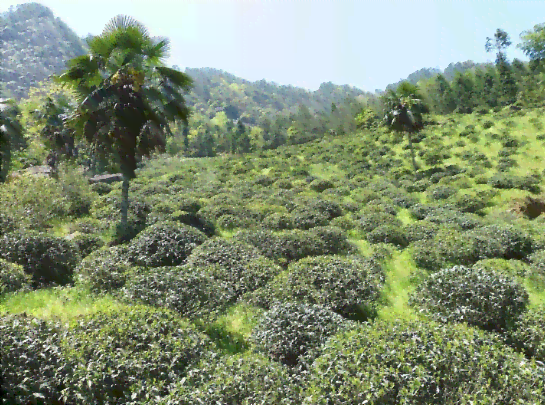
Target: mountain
35	45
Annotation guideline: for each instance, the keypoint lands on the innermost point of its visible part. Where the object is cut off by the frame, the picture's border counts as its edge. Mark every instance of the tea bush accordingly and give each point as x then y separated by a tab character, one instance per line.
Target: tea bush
188	290
239	379
13	277
104	270
122	356
369	222
479	297
528	333
388	234
420	230
31	362
349	286
48	259
321	185
293	333
306	218
421	363
278	221
164	244
7	223
87	243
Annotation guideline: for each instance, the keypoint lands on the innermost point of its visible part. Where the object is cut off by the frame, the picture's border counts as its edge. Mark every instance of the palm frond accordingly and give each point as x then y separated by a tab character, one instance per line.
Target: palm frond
124	22
176	78
158	50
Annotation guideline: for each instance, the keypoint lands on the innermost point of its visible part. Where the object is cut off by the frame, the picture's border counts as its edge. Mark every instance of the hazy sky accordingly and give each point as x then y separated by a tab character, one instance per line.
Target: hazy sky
367	44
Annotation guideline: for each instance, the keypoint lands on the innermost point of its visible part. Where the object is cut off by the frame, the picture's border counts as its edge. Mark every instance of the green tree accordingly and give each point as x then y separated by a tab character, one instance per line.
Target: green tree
507	84
126	96
10	130
445	97
463	88
533	46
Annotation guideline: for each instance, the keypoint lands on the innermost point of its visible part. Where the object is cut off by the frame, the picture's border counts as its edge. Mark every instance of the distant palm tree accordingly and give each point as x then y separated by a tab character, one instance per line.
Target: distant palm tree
9	129
126	96
404	114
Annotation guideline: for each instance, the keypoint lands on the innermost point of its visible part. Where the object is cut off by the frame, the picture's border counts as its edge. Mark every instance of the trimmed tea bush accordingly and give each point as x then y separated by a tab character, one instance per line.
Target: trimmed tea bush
349	286
48	259
166	243
481	298
240	379
278	221
528	334
122	356
13	277
292	333
223	252
188	290
104	270
87	243
387	234
307	218
369	222
509	242
320	185
7	223
31	362
420	230
421	363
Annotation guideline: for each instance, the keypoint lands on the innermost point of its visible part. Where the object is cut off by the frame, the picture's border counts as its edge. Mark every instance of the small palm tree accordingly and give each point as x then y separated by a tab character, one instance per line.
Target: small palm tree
404	114
9	129
126	96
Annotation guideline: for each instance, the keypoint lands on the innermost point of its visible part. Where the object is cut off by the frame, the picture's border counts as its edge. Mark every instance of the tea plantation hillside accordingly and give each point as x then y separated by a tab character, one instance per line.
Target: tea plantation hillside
324	273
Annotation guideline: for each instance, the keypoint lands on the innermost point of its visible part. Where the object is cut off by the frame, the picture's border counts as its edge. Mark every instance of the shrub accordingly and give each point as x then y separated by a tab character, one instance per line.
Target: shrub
469	203
320	185
387	234
528	334
7	223
349	286
451	217
503	241
239	379
421	363
344	223
31	362
369	222
188	290
230	222
479	297
88	226
488	124
48	259
335	239
284	247
239	265
121	356
197	221
283	184
13	277
327	207
292	333
278	221
166	243
104	270
441	192
420	231
87	243
418	186
307	218
101	188
502	181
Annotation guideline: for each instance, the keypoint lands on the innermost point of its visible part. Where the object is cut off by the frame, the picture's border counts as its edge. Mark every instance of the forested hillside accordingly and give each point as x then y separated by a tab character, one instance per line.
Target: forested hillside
34	45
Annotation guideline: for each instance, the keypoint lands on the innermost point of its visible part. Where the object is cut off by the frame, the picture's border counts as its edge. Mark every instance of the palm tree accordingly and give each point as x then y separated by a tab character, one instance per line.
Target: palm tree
404	111
126	96
10	129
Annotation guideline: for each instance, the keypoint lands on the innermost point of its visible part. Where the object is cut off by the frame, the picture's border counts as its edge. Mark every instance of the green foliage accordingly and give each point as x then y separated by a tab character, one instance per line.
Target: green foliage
422	363
528	334
293	333
104	270
240	266
481	298
31	362
349	286
47	259
241	379
188	290
13	277
128	355
87	243
7	223
166	243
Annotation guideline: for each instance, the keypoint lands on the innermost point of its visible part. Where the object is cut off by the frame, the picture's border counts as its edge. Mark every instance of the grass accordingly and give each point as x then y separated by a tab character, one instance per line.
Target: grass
56	304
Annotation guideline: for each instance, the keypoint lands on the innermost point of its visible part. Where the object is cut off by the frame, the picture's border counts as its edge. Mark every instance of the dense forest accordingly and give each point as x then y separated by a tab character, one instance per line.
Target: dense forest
189	237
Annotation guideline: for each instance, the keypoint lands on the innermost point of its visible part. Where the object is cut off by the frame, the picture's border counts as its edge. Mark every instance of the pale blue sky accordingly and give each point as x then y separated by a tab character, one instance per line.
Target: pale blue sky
367	44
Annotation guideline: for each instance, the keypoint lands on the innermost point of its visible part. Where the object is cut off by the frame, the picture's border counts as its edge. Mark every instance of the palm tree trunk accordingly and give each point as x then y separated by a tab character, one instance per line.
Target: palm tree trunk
124	206
411	146
5	158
